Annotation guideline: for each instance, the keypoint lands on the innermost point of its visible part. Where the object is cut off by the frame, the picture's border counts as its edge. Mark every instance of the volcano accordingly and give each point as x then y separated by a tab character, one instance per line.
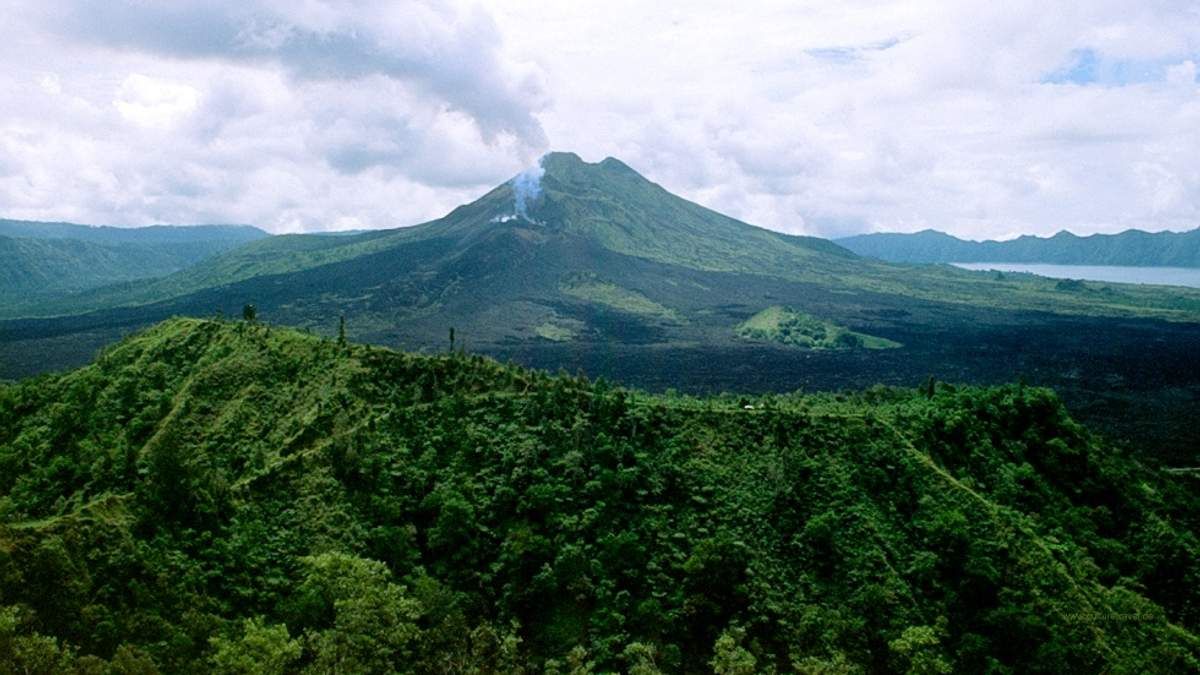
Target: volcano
600	269
599	253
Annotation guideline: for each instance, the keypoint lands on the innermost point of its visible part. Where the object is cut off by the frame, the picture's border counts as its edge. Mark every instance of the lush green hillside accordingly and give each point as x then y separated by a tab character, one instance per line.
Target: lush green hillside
1132	247
211	496
40	262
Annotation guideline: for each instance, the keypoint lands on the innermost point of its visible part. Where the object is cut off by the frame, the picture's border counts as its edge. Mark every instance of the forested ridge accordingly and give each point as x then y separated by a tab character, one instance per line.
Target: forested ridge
214	496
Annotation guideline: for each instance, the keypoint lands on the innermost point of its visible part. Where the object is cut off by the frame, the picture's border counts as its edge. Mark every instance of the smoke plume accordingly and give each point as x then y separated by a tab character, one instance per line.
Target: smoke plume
527	187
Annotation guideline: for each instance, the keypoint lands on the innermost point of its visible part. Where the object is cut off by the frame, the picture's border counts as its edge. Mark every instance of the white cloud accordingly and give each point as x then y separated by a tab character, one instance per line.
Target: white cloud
1182	74
152	102
893	115
50	84
813	117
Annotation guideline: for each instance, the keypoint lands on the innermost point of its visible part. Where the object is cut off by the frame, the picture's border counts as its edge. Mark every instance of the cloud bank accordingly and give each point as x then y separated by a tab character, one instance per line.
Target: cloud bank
983	119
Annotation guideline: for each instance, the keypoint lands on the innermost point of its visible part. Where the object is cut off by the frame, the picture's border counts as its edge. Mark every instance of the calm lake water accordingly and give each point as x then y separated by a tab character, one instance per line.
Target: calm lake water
1169	276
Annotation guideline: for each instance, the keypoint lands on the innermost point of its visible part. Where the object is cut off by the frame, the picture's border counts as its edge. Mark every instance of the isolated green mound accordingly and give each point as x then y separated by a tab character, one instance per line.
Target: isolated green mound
787	326
229	497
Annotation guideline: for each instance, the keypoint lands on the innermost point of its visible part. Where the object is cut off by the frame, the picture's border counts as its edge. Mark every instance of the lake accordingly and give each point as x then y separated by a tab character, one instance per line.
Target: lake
1168	276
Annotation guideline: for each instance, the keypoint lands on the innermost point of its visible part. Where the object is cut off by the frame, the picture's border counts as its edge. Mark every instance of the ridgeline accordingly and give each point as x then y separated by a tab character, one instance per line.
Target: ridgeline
230	497
1131	247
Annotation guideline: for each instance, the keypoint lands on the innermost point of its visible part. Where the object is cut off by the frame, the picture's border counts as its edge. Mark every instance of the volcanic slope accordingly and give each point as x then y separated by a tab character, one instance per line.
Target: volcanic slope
601	253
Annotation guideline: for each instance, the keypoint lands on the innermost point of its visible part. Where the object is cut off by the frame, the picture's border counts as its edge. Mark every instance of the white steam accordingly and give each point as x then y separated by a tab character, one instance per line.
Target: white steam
527	187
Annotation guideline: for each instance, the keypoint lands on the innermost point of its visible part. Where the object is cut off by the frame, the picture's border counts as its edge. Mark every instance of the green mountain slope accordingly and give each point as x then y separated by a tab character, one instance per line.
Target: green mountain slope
66	265
605	219
628	214
40	261
1132	247
210	494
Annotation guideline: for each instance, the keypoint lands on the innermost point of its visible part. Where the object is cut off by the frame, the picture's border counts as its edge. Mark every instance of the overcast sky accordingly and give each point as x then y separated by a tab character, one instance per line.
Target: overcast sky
984	119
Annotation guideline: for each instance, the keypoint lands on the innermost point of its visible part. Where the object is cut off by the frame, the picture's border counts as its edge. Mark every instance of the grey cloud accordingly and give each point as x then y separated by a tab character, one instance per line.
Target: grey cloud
354	158
224	102
450	55
834	226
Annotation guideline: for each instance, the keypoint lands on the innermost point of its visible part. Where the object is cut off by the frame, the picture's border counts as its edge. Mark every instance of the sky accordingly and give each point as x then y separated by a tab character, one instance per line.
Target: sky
982	119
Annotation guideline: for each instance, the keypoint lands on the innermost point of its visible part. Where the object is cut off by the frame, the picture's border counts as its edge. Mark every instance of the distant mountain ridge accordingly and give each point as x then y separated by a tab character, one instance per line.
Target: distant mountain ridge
33	229
40	259
1131	247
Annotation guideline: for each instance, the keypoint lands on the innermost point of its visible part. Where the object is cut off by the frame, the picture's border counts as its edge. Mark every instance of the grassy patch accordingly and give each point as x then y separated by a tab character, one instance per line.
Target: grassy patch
554	332
787	326
592	289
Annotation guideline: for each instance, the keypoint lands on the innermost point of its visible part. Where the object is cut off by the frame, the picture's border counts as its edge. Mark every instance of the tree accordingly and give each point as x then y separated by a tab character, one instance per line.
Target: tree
730	657
374	620
576	663
342	331
29	653
249	312
930	387
130	660
918	650
639	659
261	649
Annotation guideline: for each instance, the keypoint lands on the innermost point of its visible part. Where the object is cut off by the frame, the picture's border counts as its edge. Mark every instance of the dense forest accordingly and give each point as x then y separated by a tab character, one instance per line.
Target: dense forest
215	496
